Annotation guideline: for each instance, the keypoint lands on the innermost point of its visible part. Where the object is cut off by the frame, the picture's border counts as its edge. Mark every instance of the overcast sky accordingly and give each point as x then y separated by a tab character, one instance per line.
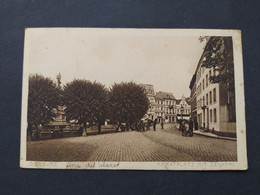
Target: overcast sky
163	60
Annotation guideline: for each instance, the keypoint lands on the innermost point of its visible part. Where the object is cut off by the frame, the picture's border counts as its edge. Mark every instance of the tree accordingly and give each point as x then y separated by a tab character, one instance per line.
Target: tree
86	102
128	103
218	54
43	98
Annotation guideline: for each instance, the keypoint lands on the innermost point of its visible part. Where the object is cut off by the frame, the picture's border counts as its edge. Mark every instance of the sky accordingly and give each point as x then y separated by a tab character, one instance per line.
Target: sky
165	60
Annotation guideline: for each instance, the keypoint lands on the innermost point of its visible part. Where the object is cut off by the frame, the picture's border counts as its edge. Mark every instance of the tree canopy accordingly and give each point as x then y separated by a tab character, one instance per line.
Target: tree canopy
43	97
129	102
219	55
86	101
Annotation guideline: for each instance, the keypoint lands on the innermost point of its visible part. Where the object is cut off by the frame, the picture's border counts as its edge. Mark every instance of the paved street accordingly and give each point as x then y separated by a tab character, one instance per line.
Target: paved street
160	145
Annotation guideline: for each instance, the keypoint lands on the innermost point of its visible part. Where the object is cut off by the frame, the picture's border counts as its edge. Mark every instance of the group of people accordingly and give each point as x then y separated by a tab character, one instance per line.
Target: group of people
155	122
147	125
190	126
143	126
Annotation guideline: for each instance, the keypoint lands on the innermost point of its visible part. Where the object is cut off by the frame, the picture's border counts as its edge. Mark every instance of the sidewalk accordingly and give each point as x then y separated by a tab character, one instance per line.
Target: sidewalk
212	135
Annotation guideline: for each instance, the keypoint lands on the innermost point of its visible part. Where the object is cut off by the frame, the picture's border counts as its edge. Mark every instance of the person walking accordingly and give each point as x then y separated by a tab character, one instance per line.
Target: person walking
162	123
191	127
196	125
180	126
154	124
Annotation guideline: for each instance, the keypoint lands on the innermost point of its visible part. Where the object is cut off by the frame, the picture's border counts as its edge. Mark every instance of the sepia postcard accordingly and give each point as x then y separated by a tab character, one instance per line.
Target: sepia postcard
142	99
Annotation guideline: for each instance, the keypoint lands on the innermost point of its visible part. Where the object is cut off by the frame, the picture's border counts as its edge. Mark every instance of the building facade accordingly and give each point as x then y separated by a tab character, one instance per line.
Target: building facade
193	98
183	108
213	103
165	104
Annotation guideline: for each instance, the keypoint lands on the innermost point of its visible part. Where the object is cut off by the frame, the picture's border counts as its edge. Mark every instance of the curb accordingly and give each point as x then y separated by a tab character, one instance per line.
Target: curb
216	137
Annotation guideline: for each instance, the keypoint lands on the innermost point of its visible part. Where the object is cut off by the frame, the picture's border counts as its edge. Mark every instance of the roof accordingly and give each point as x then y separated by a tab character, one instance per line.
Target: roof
178	101
193	80
164	95
188	100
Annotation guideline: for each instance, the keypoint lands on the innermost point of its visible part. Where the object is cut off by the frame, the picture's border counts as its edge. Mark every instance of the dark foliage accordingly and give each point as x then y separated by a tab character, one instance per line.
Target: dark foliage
44	96
86	102
128	103
219	55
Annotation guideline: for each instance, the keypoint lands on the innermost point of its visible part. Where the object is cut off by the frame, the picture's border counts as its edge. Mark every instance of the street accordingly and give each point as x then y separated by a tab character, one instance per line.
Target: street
161	145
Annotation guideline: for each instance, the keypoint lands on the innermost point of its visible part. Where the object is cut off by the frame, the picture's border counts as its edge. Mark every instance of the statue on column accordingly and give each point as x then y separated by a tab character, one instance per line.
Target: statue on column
59	79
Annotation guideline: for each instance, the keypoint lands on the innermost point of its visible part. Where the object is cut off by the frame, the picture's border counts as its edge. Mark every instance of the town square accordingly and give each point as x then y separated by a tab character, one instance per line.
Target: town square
130	98
161	145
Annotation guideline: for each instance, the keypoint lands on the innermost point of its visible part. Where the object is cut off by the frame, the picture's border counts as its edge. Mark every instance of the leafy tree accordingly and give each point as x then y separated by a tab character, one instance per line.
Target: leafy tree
86	102
44	97
219	55
128	103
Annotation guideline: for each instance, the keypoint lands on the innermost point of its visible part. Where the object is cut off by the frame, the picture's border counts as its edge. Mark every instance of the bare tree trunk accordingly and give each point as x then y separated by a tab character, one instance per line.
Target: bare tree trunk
84	129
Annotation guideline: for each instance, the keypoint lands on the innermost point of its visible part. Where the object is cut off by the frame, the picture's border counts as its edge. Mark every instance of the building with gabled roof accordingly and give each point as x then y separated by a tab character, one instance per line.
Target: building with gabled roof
164	106
149	90
183	108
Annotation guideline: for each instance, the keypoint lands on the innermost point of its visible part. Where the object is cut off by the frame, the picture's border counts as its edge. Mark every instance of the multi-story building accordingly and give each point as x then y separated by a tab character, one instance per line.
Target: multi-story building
164	106
213	103
193	98
183	108
149	90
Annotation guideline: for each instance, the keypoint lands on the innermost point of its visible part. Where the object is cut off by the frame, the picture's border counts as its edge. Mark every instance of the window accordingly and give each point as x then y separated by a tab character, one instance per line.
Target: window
203	100
209	74
207	79
203	115
210	97
203	84
207	99
215	115
214	95
210	115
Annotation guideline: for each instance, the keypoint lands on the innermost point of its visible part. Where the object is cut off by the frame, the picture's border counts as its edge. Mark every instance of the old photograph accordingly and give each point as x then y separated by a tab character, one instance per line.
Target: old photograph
149	99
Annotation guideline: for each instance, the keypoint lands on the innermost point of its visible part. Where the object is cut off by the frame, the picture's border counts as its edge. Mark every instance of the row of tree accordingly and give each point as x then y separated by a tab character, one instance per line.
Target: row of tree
84	102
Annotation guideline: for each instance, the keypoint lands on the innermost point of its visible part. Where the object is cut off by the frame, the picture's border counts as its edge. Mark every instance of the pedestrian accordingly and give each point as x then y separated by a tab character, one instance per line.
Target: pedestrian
141	125
154	124
196	125
162	123
180	122
191	127
148	124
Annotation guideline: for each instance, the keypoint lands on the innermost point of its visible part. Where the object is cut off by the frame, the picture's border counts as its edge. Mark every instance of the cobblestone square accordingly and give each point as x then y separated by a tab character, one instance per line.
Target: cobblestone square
161	145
